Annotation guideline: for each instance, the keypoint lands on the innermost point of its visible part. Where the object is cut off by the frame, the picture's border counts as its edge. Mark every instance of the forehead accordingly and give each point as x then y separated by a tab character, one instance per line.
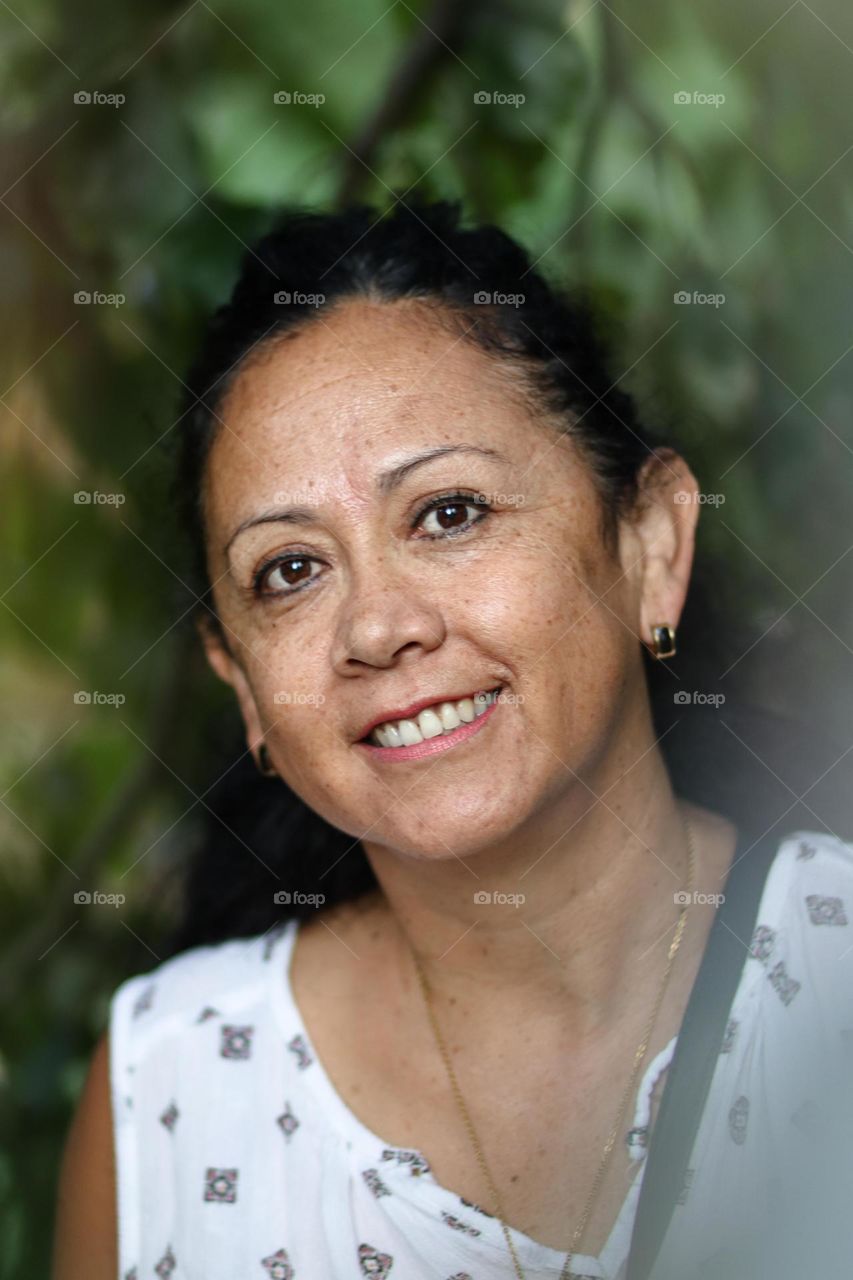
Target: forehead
313	417
360	385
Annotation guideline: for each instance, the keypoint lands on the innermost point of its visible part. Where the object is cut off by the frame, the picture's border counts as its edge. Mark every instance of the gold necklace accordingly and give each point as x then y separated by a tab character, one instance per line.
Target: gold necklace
638	1057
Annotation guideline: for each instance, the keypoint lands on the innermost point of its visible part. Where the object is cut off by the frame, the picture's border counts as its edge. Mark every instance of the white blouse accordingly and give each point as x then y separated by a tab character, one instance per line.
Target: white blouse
237	1159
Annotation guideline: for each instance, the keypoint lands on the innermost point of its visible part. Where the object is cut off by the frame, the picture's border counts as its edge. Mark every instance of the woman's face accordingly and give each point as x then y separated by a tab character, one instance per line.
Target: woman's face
366	603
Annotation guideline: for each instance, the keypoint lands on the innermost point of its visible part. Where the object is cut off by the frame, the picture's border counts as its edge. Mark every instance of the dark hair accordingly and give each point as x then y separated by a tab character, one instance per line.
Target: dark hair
554	348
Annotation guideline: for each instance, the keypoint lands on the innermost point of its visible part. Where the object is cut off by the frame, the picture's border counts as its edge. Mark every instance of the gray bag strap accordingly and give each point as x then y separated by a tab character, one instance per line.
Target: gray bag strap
697	1048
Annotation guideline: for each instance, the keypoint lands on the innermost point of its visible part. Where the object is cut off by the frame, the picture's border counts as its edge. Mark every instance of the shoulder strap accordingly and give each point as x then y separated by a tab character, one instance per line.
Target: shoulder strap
697	1049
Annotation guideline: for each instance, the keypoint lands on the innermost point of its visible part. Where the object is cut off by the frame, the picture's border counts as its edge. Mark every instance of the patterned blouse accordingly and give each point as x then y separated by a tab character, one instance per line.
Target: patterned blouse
236	1158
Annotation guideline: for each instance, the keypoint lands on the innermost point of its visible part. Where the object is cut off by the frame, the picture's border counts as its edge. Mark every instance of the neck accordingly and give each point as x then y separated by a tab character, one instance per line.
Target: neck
597	916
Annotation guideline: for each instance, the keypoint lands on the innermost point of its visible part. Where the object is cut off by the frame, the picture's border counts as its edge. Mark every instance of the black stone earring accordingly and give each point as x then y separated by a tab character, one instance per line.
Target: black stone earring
664	640
264	765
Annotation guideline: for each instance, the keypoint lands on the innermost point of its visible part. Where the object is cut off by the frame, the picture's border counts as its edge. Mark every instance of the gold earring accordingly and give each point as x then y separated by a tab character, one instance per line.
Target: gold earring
663	639
263	762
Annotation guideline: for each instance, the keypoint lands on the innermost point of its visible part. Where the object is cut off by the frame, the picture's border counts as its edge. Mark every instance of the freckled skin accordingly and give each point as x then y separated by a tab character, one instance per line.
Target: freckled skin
528	598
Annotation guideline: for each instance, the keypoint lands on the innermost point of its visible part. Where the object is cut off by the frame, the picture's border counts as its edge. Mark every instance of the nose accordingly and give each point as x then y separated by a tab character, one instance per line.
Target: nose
385	611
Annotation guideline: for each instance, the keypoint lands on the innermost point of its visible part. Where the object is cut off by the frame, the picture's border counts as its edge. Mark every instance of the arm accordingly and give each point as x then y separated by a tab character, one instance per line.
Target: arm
85	1239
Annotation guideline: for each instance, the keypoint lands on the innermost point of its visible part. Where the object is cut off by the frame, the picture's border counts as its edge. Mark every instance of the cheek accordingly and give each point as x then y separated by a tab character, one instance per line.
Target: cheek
309	756
542	591
554	615
289	688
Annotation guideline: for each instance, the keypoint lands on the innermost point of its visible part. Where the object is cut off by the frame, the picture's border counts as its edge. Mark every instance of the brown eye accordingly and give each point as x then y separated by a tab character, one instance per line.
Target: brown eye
444	514
449	511
294	571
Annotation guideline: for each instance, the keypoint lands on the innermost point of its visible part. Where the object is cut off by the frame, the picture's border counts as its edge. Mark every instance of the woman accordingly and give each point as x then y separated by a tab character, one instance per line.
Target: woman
439	549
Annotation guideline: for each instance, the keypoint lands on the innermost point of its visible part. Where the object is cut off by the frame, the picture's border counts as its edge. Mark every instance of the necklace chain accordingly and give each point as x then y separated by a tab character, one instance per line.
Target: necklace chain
638	1058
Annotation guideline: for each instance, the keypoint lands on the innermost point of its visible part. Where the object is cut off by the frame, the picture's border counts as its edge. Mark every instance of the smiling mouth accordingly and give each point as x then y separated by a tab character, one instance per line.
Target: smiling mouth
441	719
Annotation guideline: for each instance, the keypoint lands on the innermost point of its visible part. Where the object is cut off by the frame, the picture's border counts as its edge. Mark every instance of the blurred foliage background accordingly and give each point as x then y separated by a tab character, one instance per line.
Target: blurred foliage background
658	149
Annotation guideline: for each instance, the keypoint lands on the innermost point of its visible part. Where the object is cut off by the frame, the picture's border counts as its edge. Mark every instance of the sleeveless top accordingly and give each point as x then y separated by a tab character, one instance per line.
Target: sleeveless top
236	1159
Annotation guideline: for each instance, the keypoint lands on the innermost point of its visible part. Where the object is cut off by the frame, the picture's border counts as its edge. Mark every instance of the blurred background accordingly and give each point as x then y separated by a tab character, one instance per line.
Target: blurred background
693	165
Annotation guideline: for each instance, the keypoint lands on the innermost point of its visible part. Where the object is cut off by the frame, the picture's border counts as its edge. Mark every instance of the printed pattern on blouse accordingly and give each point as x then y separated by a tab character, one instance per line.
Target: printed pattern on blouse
780	1081
234	1156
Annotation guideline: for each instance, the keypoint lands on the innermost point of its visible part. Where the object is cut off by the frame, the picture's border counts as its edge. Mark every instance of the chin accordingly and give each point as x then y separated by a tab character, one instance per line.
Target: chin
446	838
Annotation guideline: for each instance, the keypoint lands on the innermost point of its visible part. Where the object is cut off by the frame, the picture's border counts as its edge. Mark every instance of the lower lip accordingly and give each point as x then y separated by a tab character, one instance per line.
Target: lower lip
431	746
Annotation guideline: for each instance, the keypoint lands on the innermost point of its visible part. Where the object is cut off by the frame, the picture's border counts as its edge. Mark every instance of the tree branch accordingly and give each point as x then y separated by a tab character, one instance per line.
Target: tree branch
432	45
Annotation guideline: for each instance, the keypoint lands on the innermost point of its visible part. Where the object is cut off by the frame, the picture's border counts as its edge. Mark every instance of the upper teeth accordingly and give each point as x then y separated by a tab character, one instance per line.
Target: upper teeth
433	721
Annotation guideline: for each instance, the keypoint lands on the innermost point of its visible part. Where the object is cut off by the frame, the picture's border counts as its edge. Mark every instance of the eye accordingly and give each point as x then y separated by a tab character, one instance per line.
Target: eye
294	579
448	507
293	568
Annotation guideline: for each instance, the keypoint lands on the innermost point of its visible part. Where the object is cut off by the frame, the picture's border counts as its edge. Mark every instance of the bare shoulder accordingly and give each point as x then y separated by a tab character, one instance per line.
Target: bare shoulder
85	1243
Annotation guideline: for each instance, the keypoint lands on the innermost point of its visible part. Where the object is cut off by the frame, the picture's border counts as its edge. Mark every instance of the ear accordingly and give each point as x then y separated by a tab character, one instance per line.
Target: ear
228	668
657	541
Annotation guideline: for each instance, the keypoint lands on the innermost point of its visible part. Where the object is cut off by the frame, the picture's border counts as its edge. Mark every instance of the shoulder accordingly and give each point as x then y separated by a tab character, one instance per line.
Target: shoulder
810	867
167	1014
185	986
175	1032
803	935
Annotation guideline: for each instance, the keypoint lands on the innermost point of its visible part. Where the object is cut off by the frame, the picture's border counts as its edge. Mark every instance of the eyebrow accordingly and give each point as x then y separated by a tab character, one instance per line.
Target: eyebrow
386	482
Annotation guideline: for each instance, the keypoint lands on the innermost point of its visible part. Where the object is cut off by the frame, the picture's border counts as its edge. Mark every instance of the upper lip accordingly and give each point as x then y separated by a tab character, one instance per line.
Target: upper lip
406	713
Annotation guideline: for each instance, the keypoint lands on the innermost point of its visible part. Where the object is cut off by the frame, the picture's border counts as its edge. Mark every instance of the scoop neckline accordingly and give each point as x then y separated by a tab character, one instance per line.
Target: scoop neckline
533	1252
